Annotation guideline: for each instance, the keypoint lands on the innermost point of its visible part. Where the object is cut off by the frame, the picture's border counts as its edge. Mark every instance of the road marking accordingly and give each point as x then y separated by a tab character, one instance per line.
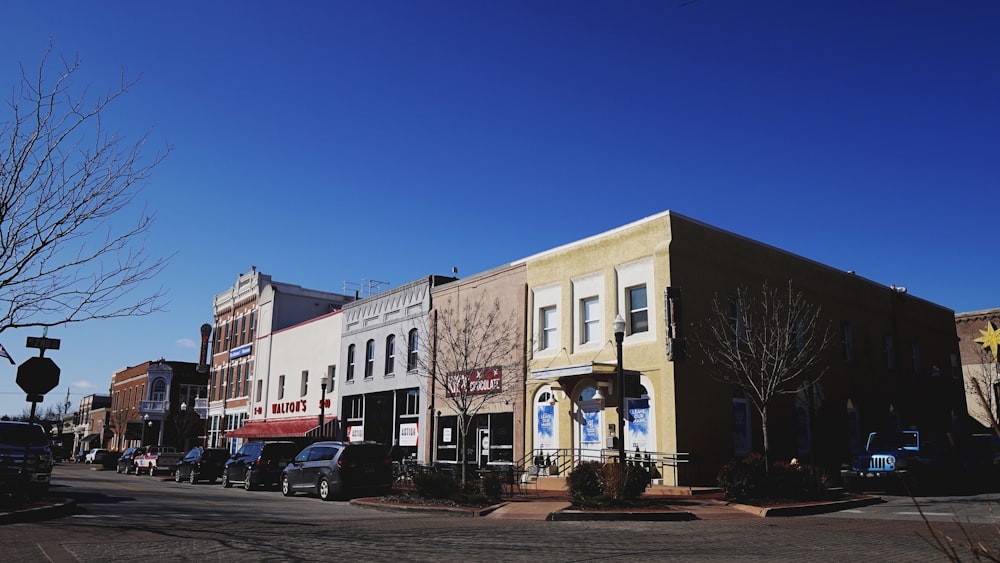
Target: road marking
915	513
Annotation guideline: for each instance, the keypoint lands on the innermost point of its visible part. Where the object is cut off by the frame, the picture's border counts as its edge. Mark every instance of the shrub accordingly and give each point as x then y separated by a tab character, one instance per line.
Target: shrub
492	486
624	483
746	479
584	481
435	485
592	484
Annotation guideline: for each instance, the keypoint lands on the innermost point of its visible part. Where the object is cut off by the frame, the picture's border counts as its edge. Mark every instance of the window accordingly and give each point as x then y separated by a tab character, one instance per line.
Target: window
369	359
411	355
411	404
253	317
243	330
246	378
737	321
550	328
304	385
390	354
260	389
847	341
331	377
355	408
590	316
916	358
638	311
350	362
281	387
159	390
890	351
229	333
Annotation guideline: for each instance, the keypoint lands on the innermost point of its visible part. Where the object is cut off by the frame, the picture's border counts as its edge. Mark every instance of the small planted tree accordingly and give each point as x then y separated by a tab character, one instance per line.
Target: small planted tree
474	360
766	342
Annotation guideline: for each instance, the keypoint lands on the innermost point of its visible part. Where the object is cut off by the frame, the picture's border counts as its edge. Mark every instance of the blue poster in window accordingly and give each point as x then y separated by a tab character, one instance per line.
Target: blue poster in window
545	417
591	427
638	417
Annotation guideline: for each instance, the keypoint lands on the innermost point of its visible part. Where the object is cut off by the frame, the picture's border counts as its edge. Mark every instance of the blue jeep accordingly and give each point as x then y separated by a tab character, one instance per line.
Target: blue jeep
903	458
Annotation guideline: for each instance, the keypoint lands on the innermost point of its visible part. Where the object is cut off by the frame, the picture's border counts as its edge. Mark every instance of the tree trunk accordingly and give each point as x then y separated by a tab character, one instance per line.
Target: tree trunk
763	430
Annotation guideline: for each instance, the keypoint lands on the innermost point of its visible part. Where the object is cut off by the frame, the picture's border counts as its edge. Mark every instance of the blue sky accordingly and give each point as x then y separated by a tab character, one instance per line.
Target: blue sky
326	141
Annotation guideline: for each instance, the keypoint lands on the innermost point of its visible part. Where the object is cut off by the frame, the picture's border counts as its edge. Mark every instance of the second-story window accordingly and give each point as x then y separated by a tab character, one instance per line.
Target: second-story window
550	328
412	343
159	392
350	363
390	354
638	310
369	359
281	387
304	385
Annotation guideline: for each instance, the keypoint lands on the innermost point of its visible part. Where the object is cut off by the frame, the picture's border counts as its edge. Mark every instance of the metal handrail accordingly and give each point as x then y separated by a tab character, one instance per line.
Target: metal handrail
565	459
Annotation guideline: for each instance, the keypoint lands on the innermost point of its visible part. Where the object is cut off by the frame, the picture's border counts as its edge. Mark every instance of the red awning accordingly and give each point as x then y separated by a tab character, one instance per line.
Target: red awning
290	428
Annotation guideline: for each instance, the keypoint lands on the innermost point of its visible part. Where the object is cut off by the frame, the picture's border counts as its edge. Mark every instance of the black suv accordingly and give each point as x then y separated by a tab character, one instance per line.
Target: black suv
126	463
258	464
339	469
201	464
25	459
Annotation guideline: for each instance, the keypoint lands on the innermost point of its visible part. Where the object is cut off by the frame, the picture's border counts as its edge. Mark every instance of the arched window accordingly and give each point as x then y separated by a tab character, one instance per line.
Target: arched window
159	390
390	354
411	357
369	359
350	363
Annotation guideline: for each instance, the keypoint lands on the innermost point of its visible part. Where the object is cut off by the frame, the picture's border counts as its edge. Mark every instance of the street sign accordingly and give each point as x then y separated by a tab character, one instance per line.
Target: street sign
38	375
43	343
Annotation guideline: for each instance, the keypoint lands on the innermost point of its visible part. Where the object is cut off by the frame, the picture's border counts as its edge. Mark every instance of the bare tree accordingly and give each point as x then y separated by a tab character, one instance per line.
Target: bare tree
980	383
766	344
474	360
67	254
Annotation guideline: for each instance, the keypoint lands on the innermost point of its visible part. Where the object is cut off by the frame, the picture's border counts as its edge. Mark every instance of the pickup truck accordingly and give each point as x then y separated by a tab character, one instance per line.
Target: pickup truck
157	459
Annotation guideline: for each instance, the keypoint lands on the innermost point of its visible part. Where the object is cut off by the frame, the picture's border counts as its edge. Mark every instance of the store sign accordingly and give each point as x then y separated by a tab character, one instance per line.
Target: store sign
355	433
289	407
408	434
241	351
475	382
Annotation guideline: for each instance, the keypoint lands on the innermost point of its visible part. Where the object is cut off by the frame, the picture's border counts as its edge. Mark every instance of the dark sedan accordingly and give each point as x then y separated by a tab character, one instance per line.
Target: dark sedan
201	464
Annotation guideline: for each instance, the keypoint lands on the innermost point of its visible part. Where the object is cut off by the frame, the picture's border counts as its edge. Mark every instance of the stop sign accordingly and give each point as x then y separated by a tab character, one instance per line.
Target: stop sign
38	375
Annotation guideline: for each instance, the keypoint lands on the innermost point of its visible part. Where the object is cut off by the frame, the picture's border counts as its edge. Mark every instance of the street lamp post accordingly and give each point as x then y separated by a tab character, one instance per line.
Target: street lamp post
619	328
145	423
182	426
322	406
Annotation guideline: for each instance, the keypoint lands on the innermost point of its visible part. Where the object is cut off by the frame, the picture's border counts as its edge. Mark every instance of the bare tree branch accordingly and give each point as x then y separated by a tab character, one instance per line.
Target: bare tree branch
766	344
472	362
66	183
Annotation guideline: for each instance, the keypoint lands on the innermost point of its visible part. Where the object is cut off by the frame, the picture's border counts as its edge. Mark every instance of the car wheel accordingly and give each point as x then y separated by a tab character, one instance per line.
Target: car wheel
247	481
286	487
177	476
323	489
225	480
118	470
192	477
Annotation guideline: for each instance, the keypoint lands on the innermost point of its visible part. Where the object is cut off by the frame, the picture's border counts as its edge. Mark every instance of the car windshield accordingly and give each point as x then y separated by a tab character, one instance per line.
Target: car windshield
21	434
893	441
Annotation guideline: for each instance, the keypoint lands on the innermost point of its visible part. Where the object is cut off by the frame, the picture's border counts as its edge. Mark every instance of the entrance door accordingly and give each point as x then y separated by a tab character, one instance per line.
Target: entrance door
484	447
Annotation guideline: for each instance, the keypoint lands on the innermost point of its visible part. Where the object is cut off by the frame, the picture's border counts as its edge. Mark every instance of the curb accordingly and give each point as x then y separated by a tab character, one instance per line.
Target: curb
605	516
807	509
447	510
53	508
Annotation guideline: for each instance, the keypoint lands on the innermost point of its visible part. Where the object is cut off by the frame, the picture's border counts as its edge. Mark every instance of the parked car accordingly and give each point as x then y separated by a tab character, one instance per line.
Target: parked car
337	469
25	459
95	455
201	464
258	464
156	460
911	459
126	462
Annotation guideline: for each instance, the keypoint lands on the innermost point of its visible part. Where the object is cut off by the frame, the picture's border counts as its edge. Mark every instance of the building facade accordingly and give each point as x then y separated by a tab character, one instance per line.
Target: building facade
383	389
979	341
889	364
153	404
297	399
245	316
89	431
478	366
